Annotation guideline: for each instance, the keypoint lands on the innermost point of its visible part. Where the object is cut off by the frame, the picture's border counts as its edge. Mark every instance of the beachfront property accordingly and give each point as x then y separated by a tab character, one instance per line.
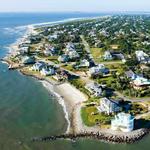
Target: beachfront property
107	55
84	63
97	107
99	69
61	76
70	47
28	60
63	58
140	82
47	71
52	37
142	57
123	122
50	51
38	66
94	89
130	75
73	54
109	106
23	50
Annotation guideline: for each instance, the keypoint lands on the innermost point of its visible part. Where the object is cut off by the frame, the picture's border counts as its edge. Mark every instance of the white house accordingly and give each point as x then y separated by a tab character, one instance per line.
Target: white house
28	60
24	50
107	55
73	54
38	66
52	37
131	75
84	63
70	47
47	52
140	82
50	51
47	71
109	106
123	122
63	58
142	57
99	69
94	88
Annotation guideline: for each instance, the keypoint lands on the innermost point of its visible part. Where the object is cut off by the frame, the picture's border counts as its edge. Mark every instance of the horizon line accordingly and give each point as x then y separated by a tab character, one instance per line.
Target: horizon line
75	11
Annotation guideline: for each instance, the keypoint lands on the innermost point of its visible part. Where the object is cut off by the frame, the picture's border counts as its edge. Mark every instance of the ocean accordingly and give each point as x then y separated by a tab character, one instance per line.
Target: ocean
27	109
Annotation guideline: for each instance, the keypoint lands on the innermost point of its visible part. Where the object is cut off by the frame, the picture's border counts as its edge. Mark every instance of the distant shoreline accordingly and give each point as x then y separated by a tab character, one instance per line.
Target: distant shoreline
71	101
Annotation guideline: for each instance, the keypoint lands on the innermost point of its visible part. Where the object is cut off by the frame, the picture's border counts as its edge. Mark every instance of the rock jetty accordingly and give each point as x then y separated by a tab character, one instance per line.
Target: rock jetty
113	138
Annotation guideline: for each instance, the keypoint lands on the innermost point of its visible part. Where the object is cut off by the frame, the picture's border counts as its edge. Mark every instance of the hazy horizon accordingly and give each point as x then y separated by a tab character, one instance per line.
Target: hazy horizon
92	6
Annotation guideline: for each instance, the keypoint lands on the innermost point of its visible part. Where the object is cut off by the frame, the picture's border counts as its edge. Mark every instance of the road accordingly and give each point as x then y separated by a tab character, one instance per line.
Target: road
87	48
132	99
57	66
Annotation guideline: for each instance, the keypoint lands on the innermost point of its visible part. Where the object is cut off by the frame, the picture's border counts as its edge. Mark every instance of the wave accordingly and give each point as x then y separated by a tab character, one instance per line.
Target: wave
50	88
19	30
64	21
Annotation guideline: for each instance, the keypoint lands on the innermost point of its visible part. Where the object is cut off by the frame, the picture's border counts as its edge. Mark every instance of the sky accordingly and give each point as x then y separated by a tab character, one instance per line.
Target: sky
73	5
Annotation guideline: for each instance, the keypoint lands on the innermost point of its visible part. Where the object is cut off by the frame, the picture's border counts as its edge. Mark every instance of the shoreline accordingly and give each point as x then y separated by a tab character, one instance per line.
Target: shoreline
60	91
60	100
29	29
76	129
71	105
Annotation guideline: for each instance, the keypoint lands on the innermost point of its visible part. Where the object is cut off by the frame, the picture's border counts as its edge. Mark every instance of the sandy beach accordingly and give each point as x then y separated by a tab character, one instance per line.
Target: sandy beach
71	97
68	97
71	100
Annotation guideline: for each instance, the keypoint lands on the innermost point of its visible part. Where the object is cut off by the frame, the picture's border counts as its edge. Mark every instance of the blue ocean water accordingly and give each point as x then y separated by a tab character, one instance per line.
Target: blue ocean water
26	108
12	25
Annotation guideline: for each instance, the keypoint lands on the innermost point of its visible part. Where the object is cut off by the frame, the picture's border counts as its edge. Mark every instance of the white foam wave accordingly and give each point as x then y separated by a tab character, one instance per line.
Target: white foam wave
15	30
54	22
50	88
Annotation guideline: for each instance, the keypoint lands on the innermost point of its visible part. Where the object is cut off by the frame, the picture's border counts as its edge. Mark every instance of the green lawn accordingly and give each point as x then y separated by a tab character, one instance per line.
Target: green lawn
91	116
68	67
97	53
108	80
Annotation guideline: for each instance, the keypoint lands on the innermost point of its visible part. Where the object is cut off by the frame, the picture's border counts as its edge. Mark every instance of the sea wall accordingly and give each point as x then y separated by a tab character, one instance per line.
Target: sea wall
113	138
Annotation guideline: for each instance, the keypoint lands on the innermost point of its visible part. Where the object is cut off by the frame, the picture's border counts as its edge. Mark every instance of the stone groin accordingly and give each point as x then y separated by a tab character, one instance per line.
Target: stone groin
113	138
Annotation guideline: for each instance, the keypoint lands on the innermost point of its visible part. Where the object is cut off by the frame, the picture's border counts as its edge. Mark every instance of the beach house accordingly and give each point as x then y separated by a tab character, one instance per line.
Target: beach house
63	58
28	60
142	57
84	63
70	47
99	69
109	106
94	89
123	122
107	55
38	66
47	71
50	51
140	82
73	54
130	75
53	37
23	50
